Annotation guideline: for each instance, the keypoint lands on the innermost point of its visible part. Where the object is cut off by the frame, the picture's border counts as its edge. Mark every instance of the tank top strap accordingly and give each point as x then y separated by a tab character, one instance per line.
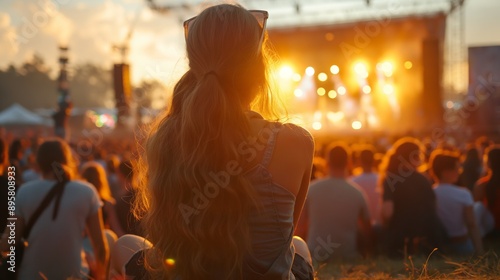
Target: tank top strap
272	129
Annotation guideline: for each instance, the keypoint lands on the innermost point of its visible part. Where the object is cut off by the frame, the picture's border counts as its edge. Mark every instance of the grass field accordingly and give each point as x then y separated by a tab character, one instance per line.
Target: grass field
434	266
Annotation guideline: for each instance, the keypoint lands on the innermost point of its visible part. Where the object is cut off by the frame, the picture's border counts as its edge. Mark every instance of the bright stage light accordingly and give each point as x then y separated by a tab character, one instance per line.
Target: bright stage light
386	67
356	125
332	94
367	89
322	77
321	91
341	90
298	92
310	71
296	77
361	69
317	125
334	69
449	104
286	72
388	89
335	117
408	65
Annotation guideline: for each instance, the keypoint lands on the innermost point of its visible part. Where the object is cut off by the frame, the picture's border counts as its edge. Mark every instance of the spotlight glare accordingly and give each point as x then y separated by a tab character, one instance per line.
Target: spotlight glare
386	67
361	69
388	89
367	89
408	65
321	91
356	125
334	69
317	125
332	94
322	77
341	90
296	77
310	71
298	92
286	72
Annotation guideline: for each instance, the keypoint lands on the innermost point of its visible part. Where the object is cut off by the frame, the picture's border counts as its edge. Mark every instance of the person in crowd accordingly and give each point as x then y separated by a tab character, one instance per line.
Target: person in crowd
487	188
16	152
55	241
368	181
112	163
127	195
94	173
99	157
337	210
30	172
472	168
223	187
409	204
455	205
4	183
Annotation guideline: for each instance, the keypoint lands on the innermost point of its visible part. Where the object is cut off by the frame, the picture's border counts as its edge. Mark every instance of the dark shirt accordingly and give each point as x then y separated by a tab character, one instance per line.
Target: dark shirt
414	212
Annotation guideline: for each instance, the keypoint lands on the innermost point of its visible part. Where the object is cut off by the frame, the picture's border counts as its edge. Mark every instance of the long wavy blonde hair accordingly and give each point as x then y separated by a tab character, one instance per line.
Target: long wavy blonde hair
198	224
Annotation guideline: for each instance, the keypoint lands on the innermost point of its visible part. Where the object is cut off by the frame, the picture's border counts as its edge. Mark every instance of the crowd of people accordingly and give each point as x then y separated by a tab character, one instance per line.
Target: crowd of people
407	200
361	202
94	207
220	191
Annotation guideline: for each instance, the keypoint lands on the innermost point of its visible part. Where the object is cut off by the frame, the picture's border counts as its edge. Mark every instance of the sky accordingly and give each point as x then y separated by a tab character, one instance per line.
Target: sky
92	27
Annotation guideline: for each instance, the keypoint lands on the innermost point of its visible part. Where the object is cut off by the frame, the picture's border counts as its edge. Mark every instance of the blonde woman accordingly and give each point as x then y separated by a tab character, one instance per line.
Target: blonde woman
223	187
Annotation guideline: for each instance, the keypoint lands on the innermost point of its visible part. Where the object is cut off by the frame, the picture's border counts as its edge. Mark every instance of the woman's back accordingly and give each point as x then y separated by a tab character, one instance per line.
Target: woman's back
272	224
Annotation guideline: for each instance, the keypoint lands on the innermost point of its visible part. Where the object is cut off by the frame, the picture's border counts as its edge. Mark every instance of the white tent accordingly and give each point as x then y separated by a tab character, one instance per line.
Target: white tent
18	115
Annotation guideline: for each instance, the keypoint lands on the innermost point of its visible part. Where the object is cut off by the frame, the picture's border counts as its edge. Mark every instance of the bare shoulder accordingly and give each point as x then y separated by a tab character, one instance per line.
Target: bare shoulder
295	136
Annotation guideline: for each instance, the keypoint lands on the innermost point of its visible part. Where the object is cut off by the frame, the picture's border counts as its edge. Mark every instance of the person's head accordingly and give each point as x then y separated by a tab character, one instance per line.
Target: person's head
95	174
445	166
98	153
483	143
125	171
406	153
492	156
225	53
112	163
338	158
16	150
197	138
493	159
54	159
472	155
3	155
367	158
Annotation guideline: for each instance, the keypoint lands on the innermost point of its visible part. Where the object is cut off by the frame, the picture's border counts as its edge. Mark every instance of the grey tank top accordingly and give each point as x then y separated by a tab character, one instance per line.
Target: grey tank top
271	225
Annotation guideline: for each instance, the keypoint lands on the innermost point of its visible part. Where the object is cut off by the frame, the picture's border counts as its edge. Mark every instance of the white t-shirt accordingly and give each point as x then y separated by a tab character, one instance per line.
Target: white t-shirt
54	248
451	201
334	207
368	182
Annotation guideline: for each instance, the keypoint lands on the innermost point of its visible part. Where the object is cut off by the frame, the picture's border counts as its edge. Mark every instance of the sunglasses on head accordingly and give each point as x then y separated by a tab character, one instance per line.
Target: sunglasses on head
260	15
